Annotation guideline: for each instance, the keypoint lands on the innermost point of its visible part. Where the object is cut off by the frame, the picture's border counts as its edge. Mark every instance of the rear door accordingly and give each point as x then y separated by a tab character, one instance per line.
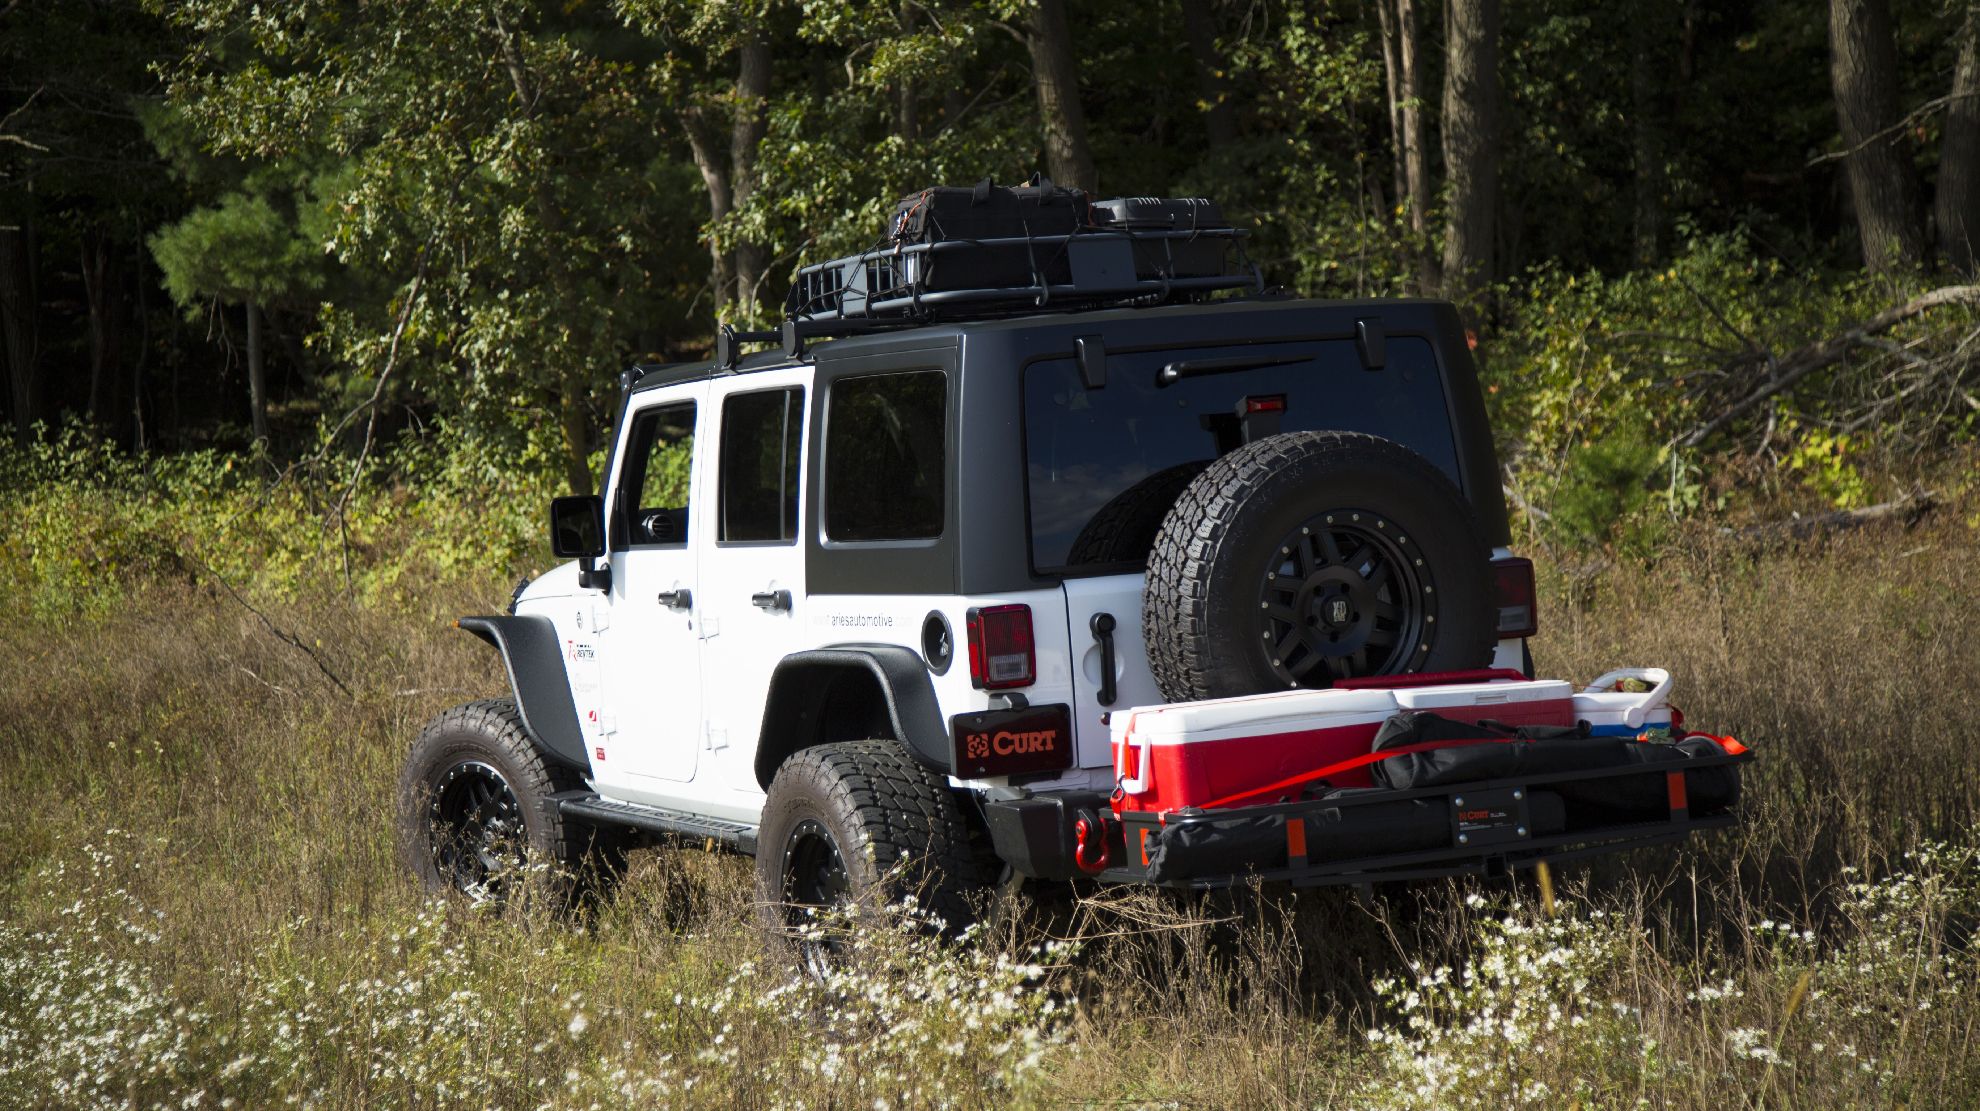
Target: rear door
752	570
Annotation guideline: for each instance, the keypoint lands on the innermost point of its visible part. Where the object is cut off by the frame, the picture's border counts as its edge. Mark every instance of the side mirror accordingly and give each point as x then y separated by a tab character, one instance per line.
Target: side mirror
577	526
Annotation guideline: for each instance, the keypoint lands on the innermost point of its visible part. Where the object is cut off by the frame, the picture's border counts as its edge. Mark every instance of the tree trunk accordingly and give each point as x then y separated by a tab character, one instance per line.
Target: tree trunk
715	175
18	317
1957	202
1412	171
143	283
1392	83
1055	75
575	422
1645	149
1219	114
745	135
1863	75
1471	147
907	114
728	169
101	290
257	374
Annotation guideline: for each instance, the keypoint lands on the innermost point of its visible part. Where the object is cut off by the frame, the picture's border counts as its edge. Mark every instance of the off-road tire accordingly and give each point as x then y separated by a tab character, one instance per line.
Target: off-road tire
490	733
880	809
1215	564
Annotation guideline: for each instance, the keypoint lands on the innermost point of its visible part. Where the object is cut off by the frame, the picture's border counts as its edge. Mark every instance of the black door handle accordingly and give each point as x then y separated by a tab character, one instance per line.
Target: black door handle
771	599
676	599
1103	631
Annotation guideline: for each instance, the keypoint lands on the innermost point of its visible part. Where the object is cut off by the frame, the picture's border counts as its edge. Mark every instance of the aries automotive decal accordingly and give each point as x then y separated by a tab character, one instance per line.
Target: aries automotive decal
855	620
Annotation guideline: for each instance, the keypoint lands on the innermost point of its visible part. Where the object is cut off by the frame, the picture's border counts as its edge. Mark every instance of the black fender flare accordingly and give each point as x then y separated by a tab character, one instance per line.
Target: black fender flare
799	686
535	663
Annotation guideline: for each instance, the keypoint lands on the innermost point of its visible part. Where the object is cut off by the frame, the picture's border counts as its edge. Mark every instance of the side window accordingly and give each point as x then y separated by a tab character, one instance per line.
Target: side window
759	492
885	445
653	489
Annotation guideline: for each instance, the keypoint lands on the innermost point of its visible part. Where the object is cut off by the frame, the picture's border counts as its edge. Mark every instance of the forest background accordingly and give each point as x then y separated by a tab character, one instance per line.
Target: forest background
350	242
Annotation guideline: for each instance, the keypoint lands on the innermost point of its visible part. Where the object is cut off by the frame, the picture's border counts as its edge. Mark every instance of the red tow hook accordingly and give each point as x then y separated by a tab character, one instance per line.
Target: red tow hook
1088	829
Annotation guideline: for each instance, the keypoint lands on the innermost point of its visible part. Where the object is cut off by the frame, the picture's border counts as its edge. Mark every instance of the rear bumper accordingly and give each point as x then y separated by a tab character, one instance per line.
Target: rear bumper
1363	836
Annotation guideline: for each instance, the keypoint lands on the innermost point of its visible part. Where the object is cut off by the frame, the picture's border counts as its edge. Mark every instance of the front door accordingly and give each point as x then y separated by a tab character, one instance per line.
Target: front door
650	648
752	567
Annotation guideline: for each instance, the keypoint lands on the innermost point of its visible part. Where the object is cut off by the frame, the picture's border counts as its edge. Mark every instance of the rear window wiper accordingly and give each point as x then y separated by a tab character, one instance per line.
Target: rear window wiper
1194	368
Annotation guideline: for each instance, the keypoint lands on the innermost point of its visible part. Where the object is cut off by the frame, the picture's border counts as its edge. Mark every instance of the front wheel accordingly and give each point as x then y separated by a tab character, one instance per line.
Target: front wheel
475	805
859	825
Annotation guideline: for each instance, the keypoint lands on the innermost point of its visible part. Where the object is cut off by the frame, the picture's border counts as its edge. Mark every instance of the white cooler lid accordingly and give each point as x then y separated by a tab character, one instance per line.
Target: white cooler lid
1469	695
1290	711
1276	712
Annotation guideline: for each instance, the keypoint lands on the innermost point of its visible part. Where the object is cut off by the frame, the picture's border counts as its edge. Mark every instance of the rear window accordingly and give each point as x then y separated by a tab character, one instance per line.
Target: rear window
1104	466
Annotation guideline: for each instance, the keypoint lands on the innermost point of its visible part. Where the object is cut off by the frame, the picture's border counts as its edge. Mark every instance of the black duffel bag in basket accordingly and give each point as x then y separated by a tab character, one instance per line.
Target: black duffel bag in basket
1535	750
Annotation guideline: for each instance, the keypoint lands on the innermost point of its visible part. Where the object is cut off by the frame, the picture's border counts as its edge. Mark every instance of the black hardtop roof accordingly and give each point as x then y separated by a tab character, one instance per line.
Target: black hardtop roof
669	374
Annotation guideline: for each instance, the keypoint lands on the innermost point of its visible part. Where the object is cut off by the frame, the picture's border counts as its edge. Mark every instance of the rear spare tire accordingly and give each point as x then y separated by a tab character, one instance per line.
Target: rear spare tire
1310	557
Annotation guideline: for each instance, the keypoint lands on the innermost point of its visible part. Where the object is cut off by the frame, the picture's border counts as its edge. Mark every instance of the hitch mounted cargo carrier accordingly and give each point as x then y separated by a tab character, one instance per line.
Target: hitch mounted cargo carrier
1363	835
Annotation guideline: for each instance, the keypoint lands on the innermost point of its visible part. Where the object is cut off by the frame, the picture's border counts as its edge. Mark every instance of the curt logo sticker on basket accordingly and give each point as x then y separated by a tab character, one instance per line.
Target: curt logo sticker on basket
1012	742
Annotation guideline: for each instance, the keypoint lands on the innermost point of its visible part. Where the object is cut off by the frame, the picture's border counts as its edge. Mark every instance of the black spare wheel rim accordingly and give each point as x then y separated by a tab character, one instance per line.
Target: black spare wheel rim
477	826
1345	595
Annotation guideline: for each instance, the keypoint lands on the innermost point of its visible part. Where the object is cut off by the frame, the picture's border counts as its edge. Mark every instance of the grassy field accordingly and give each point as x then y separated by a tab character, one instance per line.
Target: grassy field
199	903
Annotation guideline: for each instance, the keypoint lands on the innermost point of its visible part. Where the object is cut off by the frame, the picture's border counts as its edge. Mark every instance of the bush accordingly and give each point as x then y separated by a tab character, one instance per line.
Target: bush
1595	380
82	522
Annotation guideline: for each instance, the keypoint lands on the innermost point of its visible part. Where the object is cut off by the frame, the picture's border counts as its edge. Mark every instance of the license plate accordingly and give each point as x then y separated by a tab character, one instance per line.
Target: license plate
1011	742
1490	817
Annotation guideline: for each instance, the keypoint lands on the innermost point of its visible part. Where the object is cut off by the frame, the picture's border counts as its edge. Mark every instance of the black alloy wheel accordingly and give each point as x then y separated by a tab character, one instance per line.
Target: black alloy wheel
815	880
1345	595
477	801
477	827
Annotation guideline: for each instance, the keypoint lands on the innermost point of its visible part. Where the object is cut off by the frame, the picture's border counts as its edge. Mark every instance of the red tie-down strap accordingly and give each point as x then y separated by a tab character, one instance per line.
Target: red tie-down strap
1730	746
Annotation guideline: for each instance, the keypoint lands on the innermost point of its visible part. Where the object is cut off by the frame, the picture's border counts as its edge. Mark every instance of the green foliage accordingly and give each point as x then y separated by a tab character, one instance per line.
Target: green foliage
1824	462
239	250
497	178
1604	496
85	523
1595	382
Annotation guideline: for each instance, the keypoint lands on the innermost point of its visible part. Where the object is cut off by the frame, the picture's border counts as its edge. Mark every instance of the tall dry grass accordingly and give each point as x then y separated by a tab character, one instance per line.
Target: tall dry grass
198	896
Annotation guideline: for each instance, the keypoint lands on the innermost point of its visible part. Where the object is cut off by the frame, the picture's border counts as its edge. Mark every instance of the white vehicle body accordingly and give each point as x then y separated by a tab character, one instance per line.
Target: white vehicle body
672	697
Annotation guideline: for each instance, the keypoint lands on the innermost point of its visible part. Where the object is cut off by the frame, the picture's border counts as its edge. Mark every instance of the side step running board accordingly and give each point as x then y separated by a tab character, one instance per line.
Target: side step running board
656	819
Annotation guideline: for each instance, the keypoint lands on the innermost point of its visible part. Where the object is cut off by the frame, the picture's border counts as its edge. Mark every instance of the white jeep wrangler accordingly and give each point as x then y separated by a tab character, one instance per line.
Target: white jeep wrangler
873	595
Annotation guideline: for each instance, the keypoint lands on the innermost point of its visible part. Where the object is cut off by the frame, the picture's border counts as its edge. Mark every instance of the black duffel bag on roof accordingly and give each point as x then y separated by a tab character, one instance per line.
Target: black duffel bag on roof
989	211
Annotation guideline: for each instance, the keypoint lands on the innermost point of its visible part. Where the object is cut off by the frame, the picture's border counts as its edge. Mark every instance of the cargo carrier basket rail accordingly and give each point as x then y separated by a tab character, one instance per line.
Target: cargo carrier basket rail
1284	842
1074	270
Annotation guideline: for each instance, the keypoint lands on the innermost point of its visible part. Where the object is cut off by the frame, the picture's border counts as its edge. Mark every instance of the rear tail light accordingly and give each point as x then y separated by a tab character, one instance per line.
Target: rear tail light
1001	655
1519	611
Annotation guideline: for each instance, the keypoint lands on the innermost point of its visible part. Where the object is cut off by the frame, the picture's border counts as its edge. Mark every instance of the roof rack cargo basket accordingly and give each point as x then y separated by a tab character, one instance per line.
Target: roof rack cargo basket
989	251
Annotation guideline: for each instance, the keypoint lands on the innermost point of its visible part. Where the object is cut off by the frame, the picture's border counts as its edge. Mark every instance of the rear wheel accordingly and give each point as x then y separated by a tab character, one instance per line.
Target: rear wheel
860	825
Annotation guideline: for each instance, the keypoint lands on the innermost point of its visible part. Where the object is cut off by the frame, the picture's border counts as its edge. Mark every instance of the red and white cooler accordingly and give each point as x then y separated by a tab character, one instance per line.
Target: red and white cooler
1229	750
